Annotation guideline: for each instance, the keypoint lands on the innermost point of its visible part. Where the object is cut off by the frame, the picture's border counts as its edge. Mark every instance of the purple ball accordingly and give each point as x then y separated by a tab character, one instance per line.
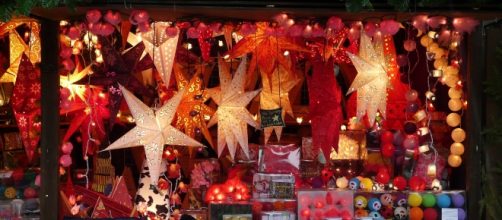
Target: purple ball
317	182
461	214
458	200
410	127
412	107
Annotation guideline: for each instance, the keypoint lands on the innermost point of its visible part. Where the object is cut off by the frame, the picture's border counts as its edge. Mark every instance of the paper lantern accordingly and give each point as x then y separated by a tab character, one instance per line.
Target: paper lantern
458	135
451	70
457	149
451	80
455	93
440	63
399	182
425	41
414	199
454	160
410	45
383	176
417	183
455	105
453	119
416	213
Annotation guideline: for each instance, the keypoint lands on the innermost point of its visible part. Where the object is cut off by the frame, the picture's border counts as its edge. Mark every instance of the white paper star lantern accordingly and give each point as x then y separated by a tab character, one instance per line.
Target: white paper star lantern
153	130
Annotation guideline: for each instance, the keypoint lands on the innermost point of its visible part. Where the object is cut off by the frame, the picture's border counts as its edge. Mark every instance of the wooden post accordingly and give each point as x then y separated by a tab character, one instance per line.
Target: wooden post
49	165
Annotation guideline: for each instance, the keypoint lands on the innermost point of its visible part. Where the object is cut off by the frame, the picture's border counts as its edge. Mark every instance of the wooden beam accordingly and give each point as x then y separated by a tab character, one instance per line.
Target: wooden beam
49	165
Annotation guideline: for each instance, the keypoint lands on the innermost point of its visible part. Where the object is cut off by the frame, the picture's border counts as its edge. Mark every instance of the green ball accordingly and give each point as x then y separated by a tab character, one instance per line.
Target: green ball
428	200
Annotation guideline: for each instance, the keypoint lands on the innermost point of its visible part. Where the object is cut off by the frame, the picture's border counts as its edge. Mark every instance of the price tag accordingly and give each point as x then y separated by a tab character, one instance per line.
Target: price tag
449	214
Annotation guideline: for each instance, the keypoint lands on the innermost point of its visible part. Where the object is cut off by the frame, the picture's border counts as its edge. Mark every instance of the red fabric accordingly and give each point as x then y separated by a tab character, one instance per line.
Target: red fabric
26	105
325	109
280	159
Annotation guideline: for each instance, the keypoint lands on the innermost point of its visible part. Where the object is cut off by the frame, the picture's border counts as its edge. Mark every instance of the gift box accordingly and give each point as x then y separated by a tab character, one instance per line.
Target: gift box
230	211
324	204
279	159
278	186
445	205
380	205
278	215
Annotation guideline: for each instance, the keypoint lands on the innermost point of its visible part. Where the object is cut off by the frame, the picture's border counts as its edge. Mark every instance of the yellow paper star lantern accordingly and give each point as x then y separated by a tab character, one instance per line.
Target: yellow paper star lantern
153	130
161	48
69	80
371	80
275	94
232	116
192	110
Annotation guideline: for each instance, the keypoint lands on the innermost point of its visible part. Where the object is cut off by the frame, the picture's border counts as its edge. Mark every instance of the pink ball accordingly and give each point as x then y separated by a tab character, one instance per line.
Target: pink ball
411	95
65	160
30	193
410	45
193	33
106	29
389	27
73	33
93	16
112	17
410	142
370	29
172	31
335	23
140	16
67	148
37	180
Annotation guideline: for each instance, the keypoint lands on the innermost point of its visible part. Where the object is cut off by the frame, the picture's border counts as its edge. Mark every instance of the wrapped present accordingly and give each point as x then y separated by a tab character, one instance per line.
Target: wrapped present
278	215
273	186
351	146
324	204
308	152
230	211
279	159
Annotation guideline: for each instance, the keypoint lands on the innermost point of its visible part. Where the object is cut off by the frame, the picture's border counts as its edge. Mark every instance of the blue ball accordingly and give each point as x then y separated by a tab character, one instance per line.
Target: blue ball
354	183
376	216
374	204
443	201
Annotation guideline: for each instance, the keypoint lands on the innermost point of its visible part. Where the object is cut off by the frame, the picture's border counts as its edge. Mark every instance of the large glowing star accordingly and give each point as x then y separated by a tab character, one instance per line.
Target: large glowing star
192	110
161	48
69	81
371	80
153	130
232	116
275	94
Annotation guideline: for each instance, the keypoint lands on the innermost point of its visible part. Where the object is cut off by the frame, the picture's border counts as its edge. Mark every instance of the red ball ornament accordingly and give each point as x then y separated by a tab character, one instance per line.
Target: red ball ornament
387	137
417	183
400	183
383	176
326	174
30	193
388	150
430	214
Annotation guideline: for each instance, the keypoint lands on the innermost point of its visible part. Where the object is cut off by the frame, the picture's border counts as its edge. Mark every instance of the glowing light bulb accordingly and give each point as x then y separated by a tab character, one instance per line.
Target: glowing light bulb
220	43
431	170
299	120
286	53
423	148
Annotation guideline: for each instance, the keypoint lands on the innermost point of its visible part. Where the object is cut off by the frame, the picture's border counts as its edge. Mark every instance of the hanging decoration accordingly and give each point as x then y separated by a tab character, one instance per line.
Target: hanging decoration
69	82
232	116
371	80
153	130
161	48
267	45
325	109
192	112
26	105
275	95
88	117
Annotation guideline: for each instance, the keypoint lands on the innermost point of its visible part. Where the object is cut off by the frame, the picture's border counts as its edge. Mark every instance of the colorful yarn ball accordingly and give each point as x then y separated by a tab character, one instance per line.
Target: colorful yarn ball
375	215
430	214
428	200
360	202
354	183
400	213
374	204
414	199
386	199
366	184
458	200
10	193
416	213
461	214
443	200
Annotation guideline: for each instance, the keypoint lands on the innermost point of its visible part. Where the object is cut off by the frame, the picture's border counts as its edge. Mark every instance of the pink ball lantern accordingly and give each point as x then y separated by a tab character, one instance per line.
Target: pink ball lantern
93	16
112	17
389	27
30	193
410	45
335	23
65	160
67	148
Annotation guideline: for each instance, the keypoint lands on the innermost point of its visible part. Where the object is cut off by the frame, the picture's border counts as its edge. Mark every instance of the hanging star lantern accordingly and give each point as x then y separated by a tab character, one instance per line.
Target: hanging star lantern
88	116
191	113
232	116
267	49
26	105
371	80
17	46
161	48
275	95
68	81
153	130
